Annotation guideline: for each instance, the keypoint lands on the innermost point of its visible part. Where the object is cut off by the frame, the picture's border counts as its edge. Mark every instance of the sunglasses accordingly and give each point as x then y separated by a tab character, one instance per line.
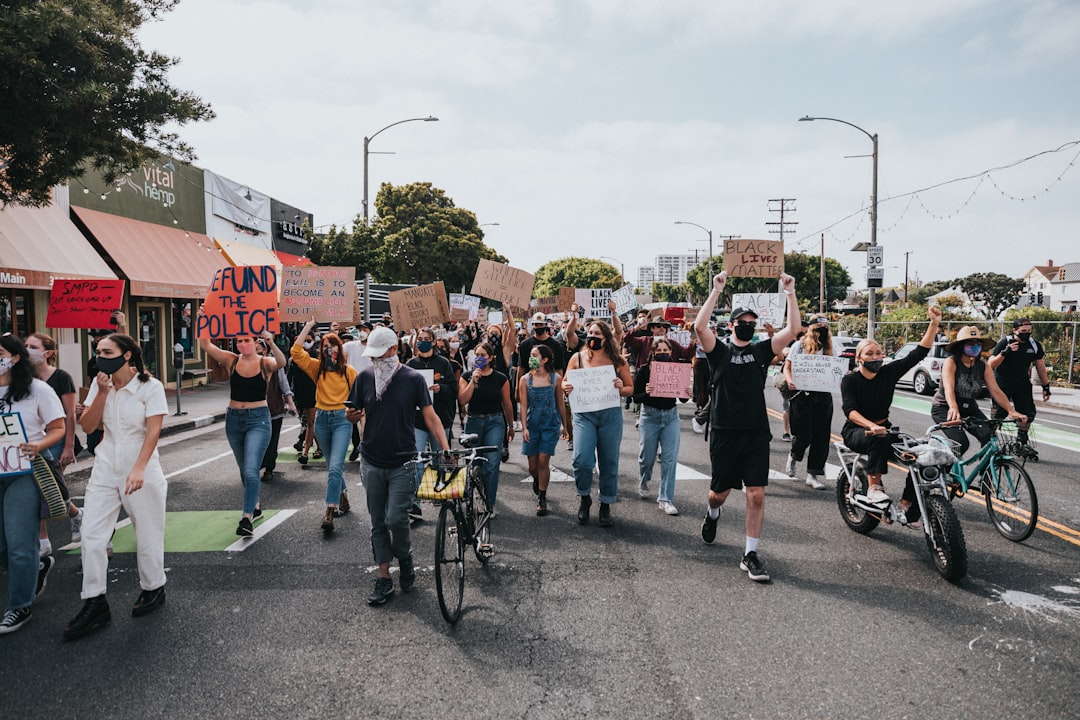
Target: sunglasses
746	323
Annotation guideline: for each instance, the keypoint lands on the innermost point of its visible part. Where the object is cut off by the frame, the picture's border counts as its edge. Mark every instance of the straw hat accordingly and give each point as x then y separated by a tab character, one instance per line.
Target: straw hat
969	332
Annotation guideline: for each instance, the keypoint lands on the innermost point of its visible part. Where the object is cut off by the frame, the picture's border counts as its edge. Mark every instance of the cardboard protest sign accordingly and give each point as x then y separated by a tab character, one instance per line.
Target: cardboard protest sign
325	292
463	307
503	283
83	303
13	434
358	312
624	299
770	307
818	373
482	317
243	300
754	258
670	380
566	298
419	306
593	389
546	305
690	314
680	336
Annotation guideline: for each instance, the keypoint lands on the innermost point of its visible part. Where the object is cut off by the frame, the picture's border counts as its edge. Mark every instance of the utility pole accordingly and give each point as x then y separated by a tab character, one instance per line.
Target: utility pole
906	257
781	207
821	273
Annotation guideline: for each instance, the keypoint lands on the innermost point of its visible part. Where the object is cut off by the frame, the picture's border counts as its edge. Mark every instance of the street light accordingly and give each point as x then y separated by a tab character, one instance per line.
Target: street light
622	272
367	141
873	208
683	222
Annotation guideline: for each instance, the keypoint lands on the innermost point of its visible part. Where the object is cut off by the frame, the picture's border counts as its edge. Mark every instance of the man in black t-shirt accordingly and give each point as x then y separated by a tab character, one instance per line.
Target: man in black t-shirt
1011	360
541	335
739	424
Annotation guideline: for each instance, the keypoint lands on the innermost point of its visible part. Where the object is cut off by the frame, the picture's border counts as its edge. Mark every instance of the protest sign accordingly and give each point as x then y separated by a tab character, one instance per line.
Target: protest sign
819	373
429	380
495	317
322	292
566	298
459	314
593	389
503	283
358	312
482	317
546	305
670	380
754	258
690	314
680	336
592	303
13	434
83	303
624	299
243	300
463	307
770	307
419	306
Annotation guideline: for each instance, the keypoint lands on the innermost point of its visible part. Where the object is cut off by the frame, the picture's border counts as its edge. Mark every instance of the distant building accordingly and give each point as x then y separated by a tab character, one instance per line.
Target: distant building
1039	285
646	276
1066	288
672	269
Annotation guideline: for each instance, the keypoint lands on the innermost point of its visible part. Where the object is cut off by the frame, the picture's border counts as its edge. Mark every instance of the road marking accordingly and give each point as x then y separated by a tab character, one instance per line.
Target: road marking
261	530
197	531
196	465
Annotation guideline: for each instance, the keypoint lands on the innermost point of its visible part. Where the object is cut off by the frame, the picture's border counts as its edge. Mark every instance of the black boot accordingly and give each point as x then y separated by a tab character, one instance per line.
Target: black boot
603	518
94	614
583	510
541	503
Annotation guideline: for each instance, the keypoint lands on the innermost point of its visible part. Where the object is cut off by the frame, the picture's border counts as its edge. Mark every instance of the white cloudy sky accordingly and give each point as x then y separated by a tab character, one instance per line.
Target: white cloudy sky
590	127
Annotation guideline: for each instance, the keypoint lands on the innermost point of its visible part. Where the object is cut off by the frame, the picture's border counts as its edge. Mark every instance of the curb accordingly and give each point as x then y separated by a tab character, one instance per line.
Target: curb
192	423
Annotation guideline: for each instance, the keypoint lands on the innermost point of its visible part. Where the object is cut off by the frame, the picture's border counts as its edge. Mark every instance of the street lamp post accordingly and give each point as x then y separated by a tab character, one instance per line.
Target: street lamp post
622	271
873	209
683	222
367	142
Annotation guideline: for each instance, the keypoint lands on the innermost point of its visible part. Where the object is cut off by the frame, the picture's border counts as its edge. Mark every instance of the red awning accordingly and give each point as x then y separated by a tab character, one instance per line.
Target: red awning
293	260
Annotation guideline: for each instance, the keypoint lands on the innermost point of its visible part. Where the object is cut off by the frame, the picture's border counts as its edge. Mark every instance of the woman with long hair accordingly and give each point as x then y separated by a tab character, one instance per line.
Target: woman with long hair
28	407
543	406
247	418
484	392
811	411
334	379
658	429
130	405
598	433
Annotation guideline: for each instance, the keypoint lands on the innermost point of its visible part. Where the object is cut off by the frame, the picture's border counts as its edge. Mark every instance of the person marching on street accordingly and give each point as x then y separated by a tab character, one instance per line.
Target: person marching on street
658	429
811	411
485	394
389	395
279	400
444	390
543	406
739	423
1011	361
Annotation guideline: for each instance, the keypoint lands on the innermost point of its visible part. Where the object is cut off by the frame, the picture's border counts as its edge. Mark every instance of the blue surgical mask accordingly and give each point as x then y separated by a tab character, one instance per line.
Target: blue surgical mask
424	346
972	350
480	362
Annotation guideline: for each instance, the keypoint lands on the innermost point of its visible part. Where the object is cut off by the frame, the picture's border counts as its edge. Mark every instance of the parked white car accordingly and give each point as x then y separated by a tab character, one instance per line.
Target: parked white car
925	377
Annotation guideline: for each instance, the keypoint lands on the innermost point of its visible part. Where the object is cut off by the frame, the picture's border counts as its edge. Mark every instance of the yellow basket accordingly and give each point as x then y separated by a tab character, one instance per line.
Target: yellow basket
452	486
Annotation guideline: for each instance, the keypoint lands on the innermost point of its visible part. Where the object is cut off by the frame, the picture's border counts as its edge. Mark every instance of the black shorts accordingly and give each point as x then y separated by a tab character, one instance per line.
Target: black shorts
739	457
1021	396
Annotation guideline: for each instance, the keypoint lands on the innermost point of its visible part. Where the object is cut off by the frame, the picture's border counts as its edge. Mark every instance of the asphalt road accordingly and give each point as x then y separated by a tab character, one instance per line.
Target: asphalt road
641	620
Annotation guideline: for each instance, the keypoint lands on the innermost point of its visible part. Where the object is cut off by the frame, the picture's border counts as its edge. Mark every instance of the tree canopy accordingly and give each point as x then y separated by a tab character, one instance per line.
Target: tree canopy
994	290
78	92
575	272
805	268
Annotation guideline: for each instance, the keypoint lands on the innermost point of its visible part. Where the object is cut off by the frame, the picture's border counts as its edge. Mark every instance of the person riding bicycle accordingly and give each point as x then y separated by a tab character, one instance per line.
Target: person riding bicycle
867	394
963	378
1011	361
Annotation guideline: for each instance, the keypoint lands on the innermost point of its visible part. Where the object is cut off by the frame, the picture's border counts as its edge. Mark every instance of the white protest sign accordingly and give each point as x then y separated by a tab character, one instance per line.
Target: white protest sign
771	308
624	299
495	317
818	373
680	336
594	389
429	380
592	303
12	435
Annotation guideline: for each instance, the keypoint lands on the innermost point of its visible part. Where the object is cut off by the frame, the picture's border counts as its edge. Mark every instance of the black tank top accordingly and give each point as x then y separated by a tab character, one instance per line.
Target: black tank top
247	389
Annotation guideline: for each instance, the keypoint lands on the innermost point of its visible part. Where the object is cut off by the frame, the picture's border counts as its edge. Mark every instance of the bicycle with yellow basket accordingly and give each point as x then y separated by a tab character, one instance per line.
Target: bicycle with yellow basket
454	480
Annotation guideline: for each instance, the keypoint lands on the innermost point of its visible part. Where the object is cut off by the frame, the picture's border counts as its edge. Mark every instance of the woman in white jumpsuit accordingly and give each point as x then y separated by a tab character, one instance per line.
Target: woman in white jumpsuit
130	405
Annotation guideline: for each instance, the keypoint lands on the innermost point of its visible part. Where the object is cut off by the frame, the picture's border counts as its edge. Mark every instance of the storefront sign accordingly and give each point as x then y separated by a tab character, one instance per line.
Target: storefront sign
243	301
85	304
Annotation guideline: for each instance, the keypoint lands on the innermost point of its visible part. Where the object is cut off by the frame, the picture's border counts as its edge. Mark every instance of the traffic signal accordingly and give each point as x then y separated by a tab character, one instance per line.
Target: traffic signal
1040	298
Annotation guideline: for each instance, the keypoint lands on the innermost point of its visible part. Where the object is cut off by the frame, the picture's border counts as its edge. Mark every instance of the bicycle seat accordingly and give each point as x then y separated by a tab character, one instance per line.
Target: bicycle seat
467	439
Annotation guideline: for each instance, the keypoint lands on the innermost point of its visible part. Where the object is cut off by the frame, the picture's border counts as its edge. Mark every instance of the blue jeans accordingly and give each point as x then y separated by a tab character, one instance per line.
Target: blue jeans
659	427
425	441
597	436
248	432
334	434
20	506
389	495
492	431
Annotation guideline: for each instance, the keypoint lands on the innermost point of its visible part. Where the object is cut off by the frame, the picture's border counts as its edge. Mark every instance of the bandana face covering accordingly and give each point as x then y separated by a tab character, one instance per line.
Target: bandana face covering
385	368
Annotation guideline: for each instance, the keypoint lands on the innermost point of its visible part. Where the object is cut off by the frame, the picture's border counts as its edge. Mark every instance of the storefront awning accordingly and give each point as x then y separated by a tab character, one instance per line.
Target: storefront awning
290	260
240	253
158	261
39	244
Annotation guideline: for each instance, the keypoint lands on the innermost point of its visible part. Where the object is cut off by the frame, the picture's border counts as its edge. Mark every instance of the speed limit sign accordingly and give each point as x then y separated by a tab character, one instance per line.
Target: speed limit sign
875	256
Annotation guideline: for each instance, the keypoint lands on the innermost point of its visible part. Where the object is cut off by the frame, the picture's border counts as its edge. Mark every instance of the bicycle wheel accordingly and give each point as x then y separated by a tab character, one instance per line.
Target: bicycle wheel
945	539
449	563
856	518
1010	499
481	515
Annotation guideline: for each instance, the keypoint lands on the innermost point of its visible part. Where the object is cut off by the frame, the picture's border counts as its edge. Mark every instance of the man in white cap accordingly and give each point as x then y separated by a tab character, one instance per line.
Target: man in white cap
389	394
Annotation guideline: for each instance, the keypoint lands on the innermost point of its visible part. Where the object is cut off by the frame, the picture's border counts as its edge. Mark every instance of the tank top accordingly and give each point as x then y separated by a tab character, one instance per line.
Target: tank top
247	389
967	383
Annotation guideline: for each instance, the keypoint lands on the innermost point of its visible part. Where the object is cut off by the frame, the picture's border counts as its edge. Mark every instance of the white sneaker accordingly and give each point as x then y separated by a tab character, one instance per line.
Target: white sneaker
517	426
76	526
812	481
637	422
789	468
668	508
696	426
876	496
643	491
44	547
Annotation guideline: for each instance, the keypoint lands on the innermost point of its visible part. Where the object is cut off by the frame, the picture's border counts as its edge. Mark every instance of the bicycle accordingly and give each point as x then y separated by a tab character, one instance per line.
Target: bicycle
1005	484
454	480
928	461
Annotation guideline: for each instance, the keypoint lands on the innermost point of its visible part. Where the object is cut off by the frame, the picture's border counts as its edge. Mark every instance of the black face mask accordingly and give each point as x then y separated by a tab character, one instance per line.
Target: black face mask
110	365
538	331
594	343
873	366
822	334
745	332
662	357
495	339
1023	337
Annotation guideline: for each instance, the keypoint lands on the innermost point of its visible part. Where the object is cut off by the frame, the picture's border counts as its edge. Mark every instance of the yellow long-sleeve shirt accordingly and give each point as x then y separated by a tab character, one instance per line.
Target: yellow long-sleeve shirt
331	389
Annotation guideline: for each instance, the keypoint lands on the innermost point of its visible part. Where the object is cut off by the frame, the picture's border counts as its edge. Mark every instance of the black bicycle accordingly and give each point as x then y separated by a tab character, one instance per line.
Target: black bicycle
454	480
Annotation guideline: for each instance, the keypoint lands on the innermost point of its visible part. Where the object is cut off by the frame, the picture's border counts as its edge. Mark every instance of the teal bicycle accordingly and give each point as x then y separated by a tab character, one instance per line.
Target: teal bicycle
1004	483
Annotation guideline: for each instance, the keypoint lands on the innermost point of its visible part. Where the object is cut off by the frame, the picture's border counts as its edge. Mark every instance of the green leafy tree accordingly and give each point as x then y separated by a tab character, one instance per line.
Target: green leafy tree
343	248
662	292
919	295
902	324
420	237
575	272
78	91
994	290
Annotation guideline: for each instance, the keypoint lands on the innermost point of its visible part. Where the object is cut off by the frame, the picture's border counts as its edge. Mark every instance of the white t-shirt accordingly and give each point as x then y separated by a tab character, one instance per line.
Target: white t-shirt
354	355
37	410
126	409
